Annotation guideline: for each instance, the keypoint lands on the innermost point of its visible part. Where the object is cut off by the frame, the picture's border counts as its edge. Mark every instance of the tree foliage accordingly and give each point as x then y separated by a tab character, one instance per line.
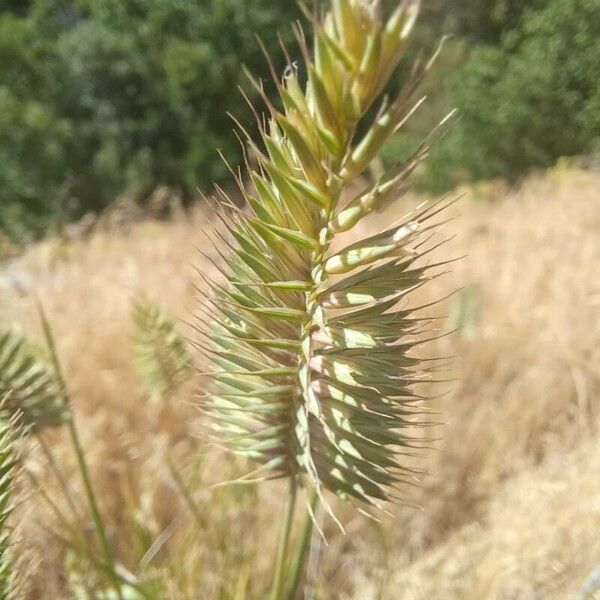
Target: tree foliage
99	99
480	21
102	98
528	101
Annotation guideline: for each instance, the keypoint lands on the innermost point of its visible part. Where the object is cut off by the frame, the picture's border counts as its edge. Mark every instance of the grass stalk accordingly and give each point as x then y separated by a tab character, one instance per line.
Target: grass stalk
284	539
298	566
82	465
186	493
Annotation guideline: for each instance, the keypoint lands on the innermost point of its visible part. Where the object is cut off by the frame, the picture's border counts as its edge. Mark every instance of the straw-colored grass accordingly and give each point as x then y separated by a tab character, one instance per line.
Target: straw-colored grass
512	506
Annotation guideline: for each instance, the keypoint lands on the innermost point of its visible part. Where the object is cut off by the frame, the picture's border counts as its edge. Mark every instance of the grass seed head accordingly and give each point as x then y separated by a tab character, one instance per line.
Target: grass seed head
313	376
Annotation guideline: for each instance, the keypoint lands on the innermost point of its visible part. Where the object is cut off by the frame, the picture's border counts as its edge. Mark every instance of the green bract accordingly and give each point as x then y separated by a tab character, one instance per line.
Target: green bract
313	376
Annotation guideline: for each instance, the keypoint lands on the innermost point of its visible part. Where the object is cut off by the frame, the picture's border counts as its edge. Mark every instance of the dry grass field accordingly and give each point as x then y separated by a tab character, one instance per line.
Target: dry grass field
511	508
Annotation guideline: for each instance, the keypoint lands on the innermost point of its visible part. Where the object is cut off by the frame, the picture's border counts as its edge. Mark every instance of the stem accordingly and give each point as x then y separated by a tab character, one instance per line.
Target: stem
284	538
297	570
89	491
184	489
77	447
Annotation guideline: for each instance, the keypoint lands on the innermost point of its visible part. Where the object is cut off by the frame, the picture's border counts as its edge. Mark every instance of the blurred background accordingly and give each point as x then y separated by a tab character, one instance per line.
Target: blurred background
111	115
100	100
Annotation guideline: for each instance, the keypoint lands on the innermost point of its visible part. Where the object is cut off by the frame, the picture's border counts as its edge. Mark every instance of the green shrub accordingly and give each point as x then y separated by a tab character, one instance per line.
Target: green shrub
525	103
483	21
111	97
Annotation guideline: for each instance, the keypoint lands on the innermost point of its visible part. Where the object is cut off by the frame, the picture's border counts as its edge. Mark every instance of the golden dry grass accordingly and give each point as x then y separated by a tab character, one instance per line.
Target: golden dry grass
512	506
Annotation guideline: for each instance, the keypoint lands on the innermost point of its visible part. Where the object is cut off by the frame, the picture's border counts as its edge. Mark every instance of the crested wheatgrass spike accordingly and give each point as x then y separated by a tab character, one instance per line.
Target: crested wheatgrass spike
161	354
10	433
30	387
313	376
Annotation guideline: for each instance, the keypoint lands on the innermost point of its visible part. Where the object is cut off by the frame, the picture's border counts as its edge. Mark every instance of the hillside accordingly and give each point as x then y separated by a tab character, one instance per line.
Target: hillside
511	509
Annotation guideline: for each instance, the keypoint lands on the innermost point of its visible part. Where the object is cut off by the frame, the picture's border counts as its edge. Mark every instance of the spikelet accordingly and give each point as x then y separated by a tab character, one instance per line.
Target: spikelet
162	359
313	376
29	384
10	433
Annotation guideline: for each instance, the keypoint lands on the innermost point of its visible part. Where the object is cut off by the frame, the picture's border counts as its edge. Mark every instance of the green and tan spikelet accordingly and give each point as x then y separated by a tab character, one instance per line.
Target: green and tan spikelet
10	433
162	358
29	384
310	346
